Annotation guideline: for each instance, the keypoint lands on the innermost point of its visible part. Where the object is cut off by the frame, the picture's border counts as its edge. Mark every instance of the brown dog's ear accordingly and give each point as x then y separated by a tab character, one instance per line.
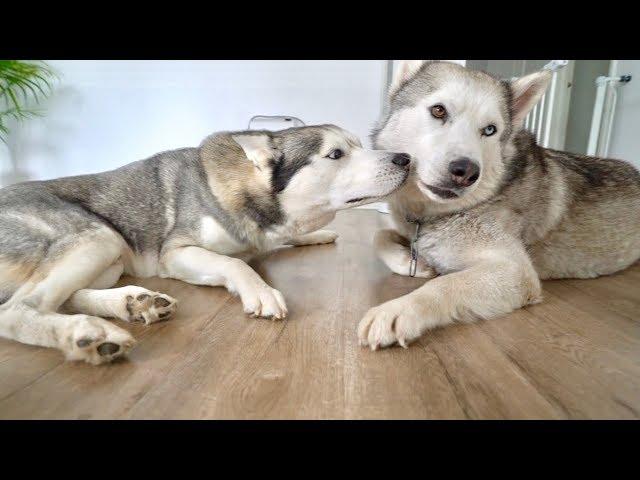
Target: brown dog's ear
257	148
527	91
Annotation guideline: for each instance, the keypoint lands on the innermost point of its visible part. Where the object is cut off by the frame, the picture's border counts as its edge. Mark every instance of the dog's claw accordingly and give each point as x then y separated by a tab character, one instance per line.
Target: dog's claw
266	302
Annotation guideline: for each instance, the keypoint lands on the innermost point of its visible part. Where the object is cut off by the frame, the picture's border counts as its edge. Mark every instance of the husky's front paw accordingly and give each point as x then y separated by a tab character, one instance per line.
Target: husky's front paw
402	267
96	341
267	303
260	300
397	255
322	236
314	238
396	321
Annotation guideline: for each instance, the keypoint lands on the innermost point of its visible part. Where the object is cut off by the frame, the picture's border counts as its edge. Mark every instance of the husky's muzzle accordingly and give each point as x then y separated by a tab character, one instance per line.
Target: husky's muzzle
463	172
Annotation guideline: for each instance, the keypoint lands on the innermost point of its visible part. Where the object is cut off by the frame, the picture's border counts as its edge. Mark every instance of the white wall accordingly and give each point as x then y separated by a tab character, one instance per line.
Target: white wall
625	138
109	113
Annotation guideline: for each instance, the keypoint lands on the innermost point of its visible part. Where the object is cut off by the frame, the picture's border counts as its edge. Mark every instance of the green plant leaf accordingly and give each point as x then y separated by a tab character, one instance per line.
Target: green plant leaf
33	80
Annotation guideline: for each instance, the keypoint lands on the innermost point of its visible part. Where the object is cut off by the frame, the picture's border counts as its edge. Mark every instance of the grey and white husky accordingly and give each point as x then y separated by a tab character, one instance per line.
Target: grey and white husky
490	211
193	214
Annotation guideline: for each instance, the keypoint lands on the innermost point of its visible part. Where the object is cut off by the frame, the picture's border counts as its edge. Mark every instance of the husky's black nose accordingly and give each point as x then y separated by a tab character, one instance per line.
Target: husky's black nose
464	172
401	159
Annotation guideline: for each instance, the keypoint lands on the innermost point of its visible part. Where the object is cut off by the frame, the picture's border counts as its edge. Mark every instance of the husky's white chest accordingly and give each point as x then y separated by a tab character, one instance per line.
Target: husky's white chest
441	257
214	237
442	246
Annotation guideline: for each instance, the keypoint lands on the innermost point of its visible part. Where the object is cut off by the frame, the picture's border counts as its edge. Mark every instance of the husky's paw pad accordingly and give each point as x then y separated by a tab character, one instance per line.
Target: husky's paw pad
150	307
97	341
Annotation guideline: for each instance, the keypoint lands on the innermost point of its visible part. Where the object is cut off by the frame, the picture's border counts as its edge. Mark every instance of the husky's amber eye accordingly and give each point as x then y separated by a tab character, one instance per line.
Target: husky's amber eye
489	130
336	154
438	111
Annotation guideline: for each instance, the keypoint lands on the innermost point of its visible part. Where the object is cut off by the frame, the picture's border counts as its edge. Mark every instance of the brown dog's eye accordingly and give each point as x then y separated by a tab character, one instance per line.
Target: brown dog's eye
438	111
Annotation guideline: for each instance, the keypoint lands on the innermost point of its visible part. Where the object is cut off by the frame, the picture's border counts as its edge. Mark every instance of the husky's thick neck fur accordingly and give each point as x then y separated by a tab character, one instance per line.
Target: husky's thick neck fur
243	188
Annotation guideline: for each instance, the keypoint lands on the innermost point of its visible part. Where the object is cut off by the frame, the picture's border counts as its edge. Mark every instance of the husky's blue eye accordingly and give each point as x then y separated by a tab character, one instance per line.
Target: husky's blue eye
336	154
489	130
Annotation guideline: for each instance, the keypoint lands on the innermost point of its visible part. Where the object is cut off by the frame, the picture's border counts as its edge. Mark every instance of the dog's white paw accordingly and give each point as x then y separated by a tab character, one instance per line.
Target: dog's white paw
260	300
397	256
396	321
319	237
403	267
425	271
149	307
95	340
322	236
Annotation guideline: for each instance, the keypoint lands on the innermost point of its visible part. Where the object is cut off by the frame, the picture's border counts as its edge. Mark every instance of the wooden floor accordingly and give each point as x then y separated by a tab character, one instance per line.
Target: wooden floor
576	355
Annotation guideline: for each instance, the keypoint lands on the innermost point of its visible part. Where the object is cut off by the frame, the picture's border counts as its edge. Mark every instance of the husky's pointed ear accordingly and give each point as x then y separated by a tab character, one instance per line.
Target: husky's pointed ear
406	69
462	63
526	92
403	71
257	148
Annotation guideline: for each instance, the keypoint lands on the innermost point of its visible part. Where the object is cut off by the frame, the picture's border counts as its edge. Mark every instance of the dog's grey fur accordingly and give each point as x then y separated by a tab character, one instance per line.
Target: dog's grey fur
534	213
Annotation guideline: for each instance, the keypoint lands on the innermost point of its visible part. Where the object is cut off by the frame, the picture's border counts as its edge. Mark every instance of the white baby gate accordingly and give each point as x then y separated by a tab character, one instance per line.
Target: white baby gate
604	110
547	120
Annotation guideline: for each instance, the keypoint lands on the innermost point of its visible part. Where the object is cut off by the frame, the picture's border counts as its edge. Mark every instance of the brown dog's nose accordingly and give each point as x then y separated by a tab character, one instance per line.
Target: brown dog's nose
464	172
401	159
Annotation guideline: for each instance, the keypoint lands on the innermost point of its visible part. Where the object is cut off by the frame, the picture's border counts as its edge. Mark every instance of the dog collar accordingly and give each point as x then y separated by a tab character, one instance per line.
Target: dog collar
413	264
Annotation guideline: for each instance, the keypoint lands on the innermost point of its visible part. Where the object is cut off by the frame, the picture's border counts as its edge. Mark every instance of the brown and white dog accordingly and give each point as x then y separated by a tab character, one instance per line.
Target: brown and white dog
496	212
